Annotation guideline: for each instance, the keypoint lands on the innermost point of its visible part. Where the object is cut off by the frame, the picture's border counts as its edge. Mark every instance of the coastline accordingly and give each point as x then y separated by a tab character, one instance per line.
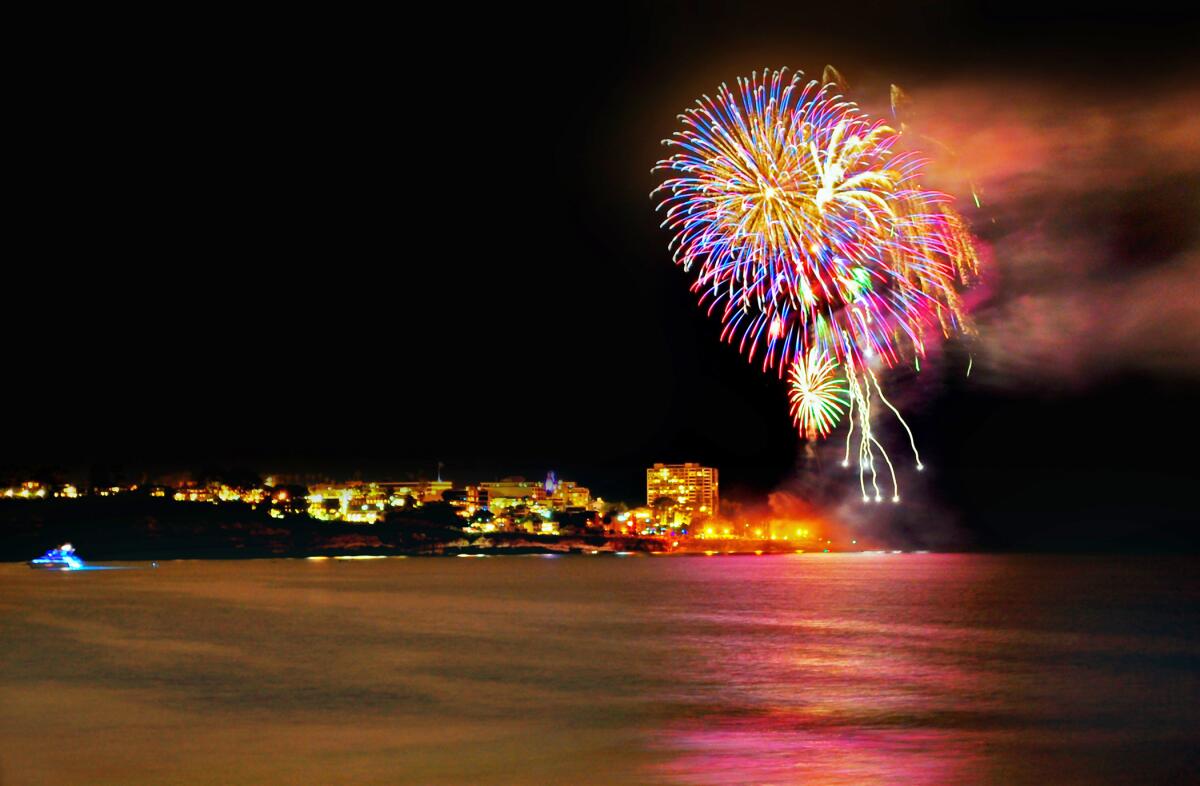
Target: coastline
136	528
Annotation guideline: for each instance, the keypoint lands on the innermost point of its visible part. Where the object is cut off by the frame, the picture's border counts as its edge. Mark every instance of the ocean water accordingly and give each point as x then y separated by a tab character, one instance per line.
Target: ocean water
801	669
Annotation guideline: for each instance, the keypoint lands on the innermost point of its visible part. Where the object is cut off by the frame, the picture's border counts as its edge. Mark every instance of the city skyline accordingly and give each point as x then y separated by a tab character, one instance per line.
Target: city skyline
320	518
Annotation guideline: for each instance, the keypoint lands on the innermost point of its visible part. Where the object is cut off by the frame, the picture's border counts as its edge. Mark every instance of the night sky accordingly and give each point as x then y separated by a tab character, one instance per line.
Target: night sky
366	245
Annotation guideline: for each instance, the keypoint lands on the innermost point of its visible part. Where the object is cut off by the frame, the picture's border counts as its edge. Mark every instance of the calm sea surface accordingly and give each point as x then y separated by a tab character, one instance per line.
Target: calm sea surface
806	669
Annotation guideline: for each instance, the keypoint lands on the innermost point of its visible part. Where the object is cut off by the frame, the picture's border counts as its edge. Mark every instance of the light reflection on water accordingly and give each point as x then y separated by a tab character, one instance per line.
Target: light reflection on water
813	669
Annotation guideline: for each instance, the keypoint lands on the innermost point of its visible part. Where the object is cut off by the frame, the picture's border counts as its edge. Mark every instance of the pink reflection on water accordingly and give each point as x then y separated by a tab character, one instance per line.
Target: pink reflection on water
834	702
794	694
771	750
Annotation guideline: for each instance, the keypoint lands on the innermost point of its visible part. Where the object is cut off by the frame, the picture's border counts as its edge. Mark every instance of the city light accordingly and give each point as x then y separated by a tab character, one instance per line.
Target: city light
682	506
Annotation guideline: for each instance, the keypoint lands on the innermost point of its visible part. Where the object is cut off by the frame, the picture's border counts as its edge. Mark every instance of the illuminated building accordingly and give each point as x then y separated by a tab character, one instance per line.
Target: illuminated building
567	494
228	494
30	489
195	494
691	488
112	491
253	496
420	490
210	492
559	495
330	503
324	508
367	502
363	514
507	493
639	521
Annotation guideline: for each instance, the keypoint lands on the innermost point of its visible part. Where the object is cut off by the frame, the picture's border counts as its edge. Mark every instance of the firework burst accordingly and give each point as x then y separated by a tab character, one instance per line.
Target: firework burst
812	239
818	395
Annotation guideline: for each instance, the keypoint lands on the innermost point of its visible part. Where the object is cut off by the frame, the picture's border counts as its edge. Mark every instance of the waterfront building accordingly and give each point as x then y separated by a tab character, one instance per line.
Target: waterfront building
568	494
691	488
421	491
509	492
500	495
195	494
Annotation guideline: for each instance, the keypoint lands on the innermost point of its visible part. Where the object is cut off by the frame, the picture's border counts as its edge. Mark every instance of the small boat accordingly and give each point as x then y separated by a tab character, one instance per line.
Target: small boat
61	558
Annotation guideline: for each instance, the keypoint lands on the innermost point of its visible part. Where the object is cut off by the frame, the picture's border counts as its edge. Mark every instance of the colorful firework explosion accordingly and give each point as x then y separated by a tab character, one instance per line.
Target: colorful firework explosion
813	238
818	395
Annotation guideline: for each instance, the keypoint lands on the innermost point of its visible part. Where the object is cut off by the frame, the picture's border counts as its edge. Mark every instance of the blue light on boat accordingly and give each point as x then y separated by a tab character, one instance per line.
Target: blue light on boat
61	558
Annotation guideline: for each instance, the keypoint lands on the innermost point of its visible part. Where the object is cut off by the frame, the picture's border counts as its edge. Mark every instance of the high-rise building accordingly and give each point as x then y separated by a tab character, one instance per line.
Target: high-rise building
691	487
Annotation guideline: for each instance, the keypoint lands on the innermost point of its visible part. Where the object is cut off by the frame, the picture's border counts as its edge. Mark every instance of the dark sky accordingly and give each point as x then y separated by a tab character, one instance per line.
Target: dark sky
355	243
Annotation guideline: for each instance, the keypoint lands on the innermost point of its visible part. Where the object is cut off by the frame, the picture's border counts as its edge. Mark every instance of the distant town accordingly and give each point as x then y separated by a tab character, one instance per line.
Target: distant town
681	511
